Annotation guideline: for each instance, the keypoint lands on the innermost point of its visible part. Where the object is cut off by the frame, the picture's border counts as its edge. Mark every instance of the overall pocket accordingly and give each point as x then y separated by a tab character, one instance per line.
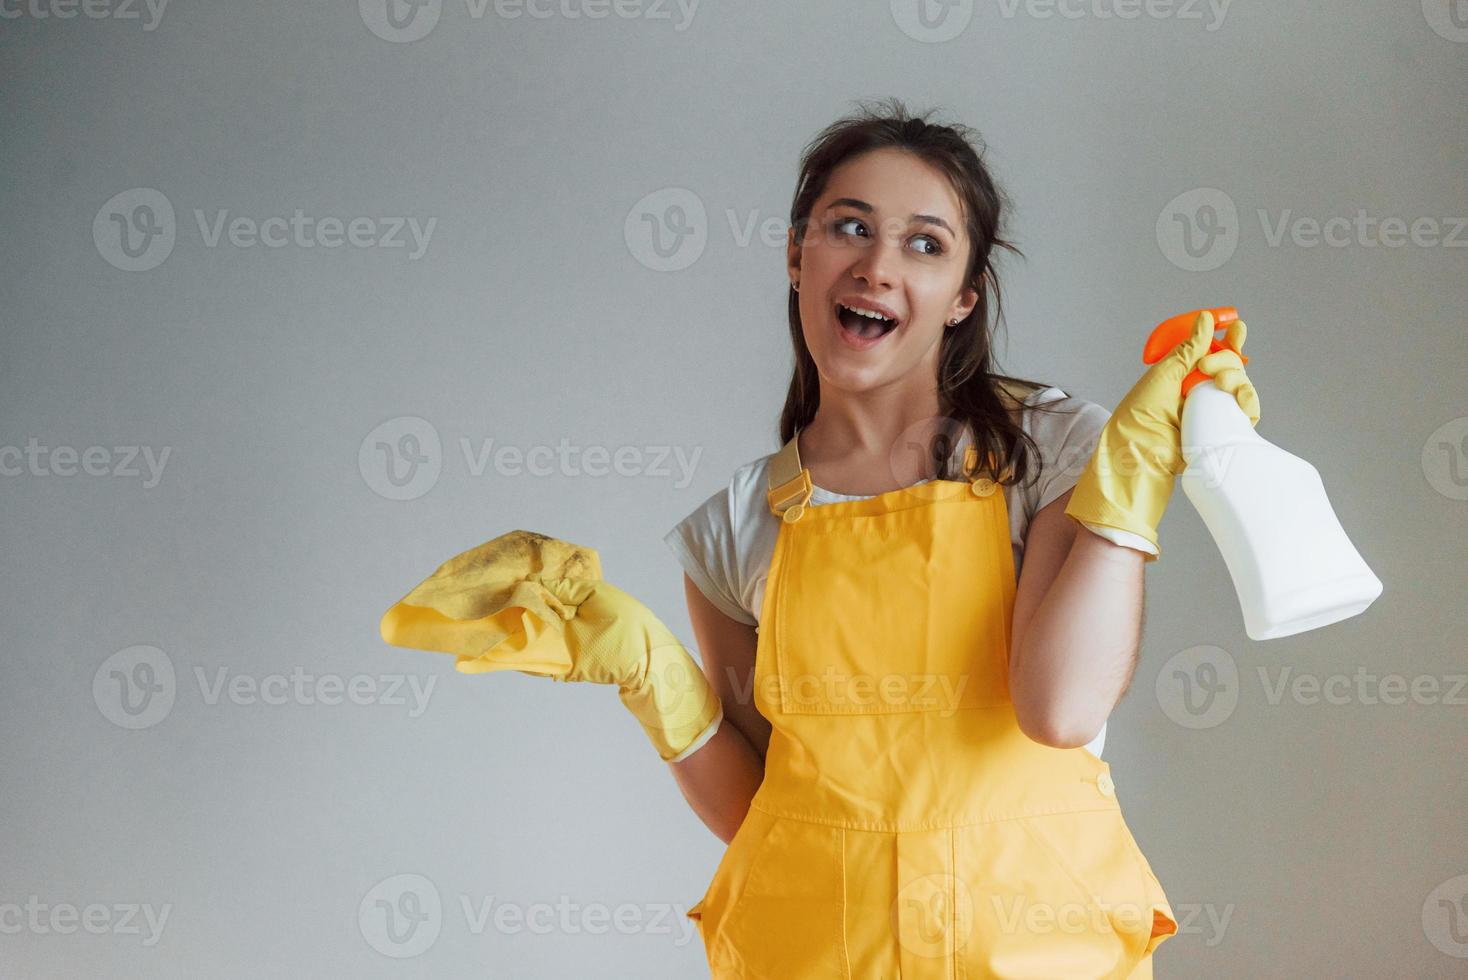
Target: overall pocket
784	915
1051	898
710	911
1095	848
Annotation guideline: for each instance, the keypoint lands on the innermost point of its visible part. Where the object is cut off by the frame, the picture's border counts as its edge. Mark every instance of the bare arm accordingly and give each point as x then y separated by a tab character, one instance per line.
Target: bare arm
720	778
1077	628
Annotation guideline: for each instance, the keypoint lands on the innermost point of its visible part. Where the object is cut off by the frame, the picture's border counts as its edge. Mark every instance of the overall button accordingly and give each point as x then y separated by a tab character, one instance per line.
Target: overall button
1105	785
792	513
983	486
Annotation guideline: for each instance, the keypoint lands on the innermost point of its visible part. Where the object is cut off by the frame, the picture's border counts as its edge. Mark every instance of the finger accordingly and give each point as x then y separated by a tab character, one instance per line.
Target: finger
1220	361
1191	350
1237	383
1182	358
1230	380
1235	334
1248	399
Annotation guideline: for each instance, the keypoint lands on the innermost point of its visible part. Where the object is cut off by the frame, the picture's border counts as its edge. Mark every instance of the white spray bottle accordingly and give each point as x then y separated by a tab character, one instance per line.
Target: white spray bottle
1292	565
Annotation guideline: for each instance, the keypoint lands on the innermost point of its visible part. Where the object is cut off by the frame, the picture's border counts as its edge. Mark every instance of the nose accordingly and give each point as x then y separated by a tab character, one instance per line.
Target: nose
876	263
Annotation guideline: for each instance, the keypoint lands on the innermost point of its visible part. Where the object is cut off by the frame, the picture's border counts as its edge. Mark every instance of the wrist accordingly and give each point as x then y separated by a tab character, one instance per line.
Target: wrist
1130	501
674	703
702	738
1123	538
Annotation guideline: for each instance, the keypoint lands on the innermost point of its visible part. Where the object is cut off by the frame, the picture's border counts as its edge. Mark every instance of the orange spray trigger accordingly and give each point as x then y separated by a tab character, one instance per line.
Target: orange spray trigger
1174	330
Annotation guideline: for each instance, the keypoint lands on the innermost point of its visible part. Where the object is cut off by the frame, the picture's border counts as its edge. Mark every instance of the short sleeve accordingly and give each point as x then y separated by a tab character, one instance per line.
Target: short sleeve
1066	430
704	543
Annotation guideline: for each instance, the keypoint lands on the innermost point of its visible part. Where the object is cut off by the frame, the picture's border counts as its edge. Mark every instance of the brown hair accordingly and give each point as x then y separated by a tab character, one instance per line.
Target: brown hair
968	386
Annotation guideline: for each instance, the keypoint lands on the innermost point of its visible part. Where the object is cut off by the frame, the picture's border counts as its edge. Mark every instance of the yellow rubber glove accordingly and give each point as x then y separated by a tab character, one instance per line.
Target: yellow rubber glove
1129	478
536	604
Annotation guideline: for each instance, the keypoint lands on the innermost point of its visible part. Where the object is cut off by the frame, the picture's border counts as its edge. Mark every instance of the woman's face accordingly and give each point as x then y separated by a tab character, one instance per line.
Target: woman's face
887	235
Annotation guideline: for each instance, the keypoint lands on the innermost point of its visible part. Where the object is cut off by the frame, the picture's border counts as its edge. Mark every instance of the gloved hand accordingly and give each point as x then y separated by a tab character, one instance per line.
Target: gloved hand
1129	478
532	603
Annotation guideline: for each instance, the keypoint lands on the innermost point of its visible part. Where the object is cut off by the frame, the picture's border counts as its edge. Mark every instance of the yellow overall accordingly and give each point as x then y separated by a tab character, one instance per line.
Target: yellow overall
906	827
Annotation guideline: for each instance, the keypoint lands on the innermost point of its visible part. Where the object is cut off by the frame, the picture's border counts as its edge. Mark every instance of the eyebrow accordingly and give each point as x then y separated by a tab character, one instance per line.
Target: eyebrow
865	208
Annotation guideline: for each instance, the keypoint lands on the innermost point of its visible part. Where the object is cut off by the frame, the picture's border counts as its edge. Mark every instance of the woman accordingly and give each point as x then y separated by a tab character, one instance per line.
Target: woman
973	832
896	733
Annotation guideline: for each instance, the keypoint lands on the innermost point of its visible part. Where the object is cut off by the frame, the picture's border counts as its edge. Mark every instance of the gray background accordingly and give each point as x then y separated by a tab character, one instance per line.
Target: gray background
1328	835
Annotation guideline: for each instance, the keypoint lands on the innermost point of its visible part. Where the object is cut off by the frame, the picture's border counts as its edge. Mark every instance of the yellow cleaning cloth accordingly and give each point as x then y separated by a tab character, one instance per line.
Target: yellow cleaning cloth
501	606
536	604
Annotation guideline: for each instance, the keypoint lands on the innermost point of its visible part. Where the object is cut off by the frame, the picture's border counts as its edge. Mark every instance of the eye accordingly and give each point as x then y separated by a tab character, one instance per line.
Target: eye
840	223
937	245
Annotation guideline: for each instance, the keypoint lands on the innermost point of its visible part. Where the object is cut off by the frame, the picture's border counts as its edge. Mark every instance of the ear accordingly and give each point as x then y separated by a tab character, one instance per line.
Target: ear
967	300
792	256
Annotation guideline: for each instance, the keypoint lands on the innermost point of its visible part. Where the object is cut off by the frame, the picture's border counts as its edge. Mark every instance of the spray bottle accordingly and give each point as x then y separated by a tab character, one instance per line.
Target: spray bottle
1292	565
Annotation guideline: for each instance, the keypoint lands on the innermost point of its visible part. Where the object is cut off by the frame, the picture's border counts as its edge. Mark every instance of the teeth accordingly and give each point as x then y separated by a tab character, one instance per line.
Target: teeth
870	313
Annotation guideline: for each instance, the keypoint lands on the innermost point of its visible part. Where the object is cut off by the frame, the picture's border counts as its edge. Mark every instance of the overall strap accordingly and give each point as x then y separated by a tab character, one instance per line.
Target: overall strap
982	481
789	482
970	462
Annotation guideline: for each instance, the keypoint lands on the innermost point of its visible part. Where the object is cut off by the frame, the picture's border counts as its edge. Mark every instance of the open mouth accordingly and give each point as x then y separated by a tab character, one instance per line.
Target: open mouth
864	326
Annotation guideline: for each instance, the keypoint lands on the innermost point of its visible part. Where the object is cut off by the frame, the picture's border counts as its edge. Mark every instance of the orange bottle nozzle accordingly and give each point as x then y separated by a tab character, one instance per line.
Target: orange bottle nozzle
1174	330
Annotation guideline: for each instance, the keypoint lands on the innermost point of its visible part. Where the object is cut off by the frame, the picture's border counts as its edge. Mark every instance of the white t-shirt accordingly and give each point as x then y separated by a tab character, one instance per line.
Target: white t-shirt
726	543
